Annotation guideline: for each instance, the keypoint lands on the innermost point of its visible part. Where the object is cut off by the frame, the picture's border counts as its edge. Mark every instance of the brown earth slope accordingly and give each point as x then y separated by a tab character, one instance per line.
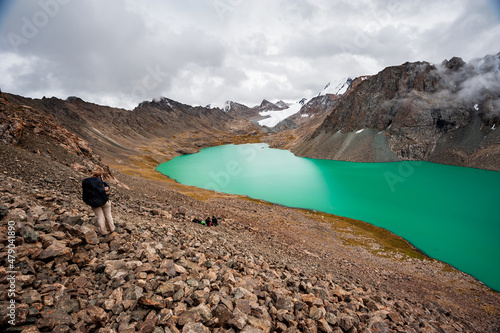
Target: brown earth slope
162	128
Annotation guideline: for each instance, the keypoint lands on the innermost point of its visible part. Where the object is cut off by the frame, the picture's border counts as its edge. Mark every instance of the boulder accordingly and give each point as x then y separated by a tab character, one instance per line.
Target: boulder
56	249
168	267
30	235
149	323
166	289
238	320
98	316
32	296
195	328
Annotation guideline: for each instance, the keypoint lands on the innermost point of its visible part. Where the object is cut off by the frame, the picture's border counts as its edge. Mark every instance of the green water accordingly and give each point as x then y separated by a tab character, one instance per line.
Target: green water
450	213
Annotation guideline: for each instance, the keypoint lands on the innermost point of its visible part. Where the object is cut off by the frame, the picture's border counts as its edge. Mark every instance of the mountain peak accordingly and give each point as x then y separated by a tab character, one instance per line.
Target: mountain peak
269	106
338	87
281	104
230	105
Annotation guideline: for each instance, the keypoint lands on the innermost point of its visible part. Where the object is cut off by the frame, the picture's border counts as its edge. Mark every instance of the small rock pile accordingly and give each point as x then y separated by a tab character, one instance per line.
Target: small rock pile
155	275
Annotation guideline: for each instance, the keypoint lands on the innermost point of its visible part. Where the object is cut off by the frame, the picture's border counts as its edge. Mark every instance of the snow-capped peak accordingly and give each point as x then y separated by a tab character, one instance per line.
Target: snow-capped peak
282	104
162	100
227	106
287	109
337	87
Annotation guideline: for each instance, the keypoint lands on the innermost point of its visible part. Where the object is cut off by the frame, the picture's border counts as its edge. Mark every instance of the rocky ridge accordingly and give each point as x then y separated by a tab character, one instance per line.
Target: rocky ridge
26	127
417	111
317	107
165	126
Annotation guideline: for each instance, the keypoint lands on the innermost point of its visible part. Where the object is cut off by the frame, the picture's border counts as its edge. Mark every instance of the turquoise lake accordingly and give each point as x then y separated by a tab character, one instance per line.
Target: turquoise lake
450	213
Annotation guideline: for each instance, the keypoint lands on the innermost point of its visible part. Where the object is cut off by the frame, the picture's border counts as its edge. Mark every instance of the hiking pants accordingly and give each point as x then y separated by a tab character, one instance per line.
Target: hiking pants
104	213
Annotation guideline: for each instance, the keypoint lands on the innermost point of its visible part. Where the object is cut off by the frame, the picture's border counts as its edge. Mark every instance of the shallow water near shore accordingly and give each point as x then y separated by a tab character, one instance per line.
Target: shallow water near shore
450	213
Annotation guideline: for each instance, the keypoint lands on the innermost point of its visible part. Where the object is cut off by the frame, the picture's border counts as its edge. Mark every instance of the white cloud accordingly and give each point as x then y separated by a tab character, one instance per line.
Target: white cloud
200	52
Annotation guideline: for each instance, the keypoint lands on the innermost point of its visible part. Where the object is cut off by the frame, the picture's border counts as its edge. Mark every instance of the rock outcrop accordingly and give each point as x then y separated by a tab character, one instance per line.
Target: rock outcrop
416	111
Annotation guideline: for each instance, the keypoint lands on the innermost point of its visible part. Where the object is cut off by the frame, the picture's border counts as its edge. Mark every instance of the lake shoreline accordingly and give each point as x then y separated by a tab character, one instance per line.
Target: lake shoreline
297	238
226	168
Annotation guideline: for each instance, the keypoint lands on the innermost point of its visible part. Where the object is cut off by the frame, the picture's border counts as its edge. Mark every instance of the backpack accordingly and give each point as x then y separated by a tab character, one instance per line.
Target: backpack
93	193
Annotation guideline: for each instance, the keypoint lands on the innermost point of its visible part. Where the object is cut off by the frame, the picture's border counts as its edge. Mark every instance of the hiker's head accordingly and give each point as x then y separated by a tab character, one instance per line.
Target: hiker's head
97	174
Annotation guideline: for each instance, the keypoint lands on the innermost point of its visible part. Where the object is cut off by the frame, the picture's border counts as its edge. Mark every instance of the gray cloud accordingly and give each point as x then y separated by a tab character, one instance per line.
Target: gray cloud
477	81
200	52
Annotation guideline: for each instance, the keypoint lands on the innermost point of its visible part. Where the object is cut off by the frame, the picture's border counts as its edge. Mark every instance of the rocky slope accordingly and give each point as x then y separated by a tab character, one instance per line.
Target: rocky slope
164	126
299	126
241	110
162	273
29	129
417	111
315	110
316	107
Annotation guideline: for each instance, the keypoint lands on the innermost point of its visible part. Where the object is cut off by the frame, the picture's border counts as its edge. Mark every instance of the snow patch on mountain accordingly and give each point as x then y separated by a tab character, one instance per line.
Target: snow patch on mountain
162	100
337	87
227	106
274	117
280	110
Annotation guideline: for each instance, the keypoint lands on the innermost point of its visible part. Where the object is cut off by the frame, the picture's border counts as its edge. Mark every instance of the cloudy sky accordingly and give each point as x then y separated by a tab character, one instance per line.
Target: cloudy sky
119	52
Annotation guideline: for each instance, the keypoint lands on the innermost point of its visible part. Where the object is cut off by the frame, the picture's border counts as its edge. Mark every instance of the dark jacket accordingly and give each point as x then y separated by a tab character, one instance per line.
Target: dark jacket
93	193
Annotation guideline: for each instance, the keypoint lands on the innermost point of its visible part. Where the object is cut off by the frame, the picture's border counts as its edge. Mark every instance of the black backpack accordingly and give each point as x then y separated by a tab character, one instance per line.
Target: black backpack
93	193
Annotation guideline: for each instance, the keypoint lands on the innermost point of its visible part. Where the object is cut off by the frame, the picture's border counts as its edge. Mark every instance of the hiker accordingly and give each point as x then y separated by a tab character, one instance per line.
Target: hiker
95	193
209	221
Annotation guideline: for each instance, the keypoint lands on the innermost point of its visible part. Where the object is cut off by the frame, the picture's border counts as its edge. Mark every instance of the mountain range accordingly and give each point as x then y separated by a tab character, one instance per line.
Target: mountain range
446	113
